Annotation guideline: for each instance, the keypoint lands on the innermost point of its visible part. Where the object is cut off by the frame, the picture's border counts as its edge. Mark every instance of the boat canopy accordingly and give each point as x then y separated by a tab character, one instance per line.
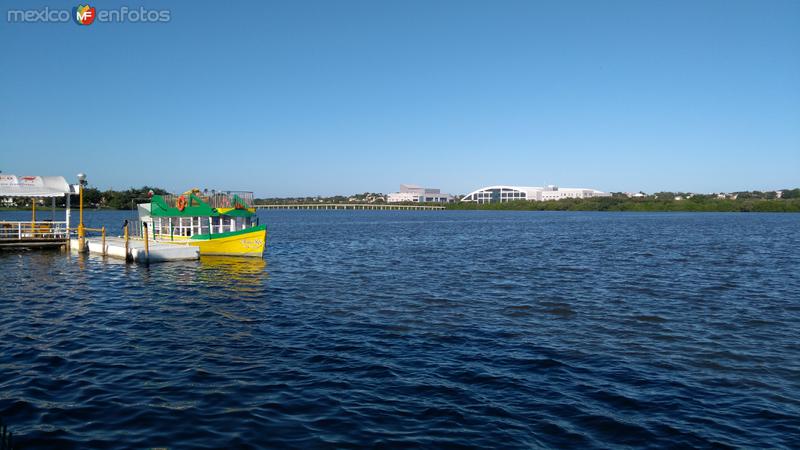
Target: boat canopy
33	186
198	205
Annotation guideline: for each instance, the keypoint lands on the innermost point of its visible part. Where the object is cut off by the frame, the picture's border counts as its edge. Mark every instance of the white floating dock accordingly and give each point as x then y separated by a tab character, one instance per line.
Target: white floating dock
159	251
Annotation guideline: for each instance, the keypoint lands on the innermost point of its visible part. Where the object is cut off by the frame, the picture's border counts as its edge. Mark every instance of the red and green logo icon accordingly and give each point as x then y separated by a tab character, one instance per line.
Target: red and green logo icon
85	14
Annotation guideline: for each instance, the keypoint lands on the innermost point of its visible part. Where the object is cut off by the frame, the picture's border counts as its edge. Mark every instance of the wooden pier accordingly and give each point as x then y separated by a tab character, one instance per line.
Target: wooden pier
364	206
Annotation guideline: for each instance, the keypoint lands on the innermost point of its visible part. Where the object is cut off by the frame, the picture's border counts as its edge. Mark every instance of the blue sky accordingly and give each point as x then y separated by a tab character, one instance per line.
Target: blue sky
336	97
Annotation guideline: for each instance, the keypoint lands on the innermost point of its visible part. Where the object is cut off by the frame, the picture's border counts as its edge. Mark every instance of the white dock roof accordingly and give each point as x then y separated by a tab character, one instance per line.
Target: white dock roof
33	186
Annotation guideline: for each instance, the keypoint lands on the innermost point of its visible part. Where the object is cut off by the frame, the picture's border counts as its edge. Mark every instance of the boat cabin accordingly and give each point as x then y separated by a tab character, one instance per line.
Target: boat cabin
198	214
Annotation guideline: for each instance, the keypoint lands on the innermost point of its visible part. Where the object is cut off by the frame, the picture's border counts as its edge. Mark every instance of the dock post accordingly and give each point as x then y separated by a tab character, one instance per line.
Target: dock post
146	245
103	231
125	233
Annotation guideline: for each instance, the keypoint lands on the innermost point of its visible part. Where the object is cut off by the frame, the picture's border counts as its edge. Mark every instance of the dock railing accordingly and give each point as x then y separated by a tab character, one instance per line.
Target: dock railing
222	199
31	231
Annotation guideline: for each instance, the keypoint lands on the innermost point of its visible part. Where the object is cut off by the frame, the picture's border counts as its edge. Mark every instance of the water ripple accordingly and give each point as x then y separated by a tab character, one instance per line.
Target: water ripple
386	329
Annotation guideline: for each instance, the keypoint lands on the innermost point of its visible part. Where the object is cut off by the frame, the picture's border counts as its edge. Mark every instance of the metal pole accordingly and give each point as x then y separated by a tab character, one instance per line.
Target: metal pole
67	215
81	231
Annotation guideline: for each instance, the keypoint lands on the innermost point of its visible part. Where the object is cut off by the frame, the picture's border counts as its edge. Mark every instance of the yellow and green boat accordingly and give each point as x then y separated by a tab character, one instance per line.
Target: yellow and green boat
219	223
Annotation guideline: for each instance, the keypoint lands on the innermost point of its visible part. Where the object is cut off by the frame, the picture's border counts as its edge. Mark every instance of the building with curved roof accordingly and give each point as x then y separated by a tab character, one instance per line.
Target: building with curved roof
501	193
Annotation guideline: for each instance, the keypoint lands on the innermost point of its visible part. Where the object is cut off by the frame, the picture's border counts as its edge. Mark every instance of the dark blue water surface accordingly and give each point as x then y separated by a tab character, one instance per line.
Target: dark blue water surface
438	329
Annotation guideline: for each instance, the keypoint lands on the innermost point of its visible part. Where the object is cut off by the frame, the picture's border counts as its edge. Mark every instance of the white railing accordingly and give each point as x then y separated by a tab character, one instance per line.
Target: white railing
33	230
223	199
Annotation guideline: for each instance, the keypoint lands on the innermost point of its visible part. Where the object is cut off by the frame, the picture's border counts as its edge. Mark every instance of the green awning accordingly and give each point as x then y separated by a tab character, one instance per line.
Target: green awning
194	208
238	213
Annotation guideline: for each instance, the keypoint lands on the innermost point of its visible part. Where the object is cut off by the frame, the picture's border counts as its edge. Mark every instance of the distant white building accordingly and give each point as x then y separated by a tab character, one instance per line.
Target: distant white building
418	194
491	194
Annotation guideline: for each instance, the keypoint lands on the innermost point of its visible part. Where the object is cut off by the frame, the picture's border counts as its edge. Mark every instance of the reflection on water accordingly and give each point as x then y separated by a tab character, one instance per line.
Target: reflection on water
242	271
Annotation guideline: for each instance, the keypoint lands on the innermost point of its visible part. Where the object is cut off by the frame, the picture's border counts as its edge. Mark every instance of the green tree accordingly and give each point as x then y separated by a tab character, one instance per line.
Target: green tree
791	193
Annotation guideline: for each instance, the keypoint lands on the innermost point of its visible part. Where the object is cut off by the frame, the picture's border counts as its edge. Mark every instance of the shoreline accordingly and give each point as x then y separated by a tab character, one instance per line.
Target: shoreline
588	205
639	205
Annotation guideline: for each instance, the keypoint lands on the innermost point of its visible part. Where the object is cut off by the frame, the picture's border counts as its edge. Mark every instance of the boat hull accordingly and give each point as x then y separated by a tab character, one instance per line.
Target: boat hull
249	242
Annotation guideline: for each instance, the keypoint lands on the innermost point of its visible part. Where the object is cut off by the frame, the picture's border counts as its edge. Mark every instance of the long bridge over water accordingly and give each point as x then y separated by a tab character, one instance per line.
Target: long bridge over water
373	206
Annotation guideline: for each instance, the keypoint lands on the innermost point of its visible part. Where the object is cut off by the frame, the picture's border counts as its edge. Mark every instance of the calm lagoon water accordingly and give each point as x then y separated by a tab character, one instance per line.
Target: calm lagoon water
436	329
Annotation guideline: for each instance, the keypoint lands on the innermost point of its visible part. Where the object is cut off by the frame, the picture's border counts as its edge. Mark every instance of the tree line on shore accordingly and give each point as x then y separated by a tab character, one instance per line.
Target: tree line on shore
696	203
95	198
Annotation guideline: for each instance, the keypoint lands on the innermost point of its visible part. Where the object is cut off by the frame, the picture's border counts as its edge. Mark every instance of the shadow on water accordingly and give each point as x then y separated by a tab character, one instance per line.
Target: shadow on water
211	271
213	281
